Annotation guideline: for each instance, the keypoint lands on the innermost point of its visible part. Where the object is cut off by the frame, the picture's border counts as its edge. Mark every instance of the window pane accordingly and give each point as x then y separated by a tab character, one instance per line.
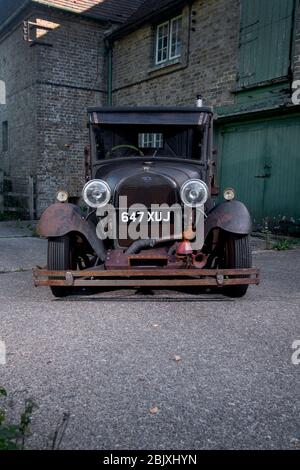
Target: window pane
162	42
151	140
175	44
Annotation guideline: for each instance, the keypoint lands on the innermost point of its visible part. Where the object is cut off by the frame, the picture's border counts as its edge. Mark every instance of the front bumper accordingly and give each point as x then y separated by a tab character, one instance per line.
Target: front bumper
147	277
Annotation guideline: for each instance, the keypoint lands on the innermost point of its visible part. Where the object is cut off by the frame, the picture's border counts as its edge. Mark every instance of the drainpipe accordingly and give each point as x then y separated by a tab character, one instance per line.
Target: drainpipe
108	46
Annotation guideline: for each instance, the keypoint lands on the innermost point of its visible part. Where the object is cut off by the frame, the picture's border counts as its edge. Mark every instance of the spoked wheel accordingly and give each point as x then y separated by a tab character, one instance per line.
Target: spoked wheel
237	254
60	258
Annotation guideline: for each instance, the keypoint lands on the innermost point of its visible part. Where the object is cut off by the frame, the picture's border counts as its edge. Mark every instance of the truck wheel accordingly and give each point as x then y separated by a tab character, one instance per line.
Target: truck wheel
237	254
59	258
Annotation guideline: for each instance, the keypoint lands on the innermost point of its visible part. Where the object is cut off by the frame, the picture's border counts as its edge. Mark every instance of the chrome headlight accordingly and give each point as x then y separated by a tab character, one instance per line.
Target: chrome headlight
194	193
96	193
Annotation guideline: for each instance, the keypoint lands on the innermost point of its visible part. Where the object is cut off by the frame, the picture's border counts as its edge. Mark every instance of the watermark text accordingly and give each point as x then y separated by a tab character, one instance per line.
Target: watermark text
2	353
296	354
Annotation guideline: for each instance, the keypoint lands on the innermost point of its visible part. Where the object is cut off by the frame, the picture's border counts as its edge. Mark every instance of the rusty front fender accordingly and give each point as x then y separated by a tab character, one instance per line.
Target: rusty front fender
231	216
61	219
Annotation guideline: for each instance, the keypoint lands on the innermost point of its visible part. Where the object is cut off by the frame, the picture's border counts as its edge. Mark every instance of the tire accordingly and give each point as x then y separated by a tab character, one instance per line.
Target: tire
59	258
237	254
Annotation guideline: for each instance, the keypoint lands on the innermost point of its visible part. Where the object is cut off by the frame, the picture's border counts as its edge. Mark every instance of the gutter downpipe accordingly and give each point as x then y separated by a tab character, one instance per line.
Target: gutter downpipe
108	50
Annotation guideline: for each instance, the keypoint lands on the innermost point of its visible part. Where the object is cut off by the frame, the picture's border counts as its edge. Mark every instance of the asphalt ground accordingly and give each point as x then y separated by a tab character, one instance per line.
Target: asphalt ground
216	373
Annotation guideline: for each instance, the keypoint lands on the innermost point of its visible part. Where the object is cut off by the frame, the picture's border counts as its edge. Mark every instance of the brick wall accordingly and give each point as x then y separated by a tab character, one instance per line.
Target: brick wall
209	68
18	70
70	78
49	88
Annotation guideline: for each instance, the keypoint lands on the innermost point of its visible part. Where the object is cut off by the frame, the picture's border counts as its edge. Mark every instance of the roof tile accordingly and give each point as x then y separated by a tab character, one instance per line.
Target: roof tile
147	10
107	9
111	10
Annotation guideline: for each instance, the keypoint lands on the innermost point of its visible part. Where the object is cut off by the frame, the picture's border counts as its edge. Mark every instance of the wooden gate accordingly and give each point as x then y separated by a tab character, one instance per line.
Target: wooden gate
261	160
17	196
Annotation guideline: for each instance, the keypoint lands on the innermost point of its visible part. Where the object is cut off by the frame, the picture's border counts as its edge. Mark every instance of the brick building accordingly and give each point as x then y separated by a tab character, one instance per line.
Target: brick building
242	56
52	75
206	62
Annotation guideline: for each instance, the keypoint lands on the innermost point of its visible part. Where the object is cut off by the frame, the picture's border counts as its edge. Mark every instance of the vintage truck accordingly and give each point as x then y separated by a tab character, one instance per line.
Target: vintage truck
150	216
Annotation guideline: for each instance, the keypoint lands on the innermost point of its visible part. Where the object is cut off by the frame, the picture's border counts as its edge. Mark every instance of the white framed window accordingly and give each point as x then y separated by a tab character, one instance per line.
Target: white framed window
175	35
168	40
151	140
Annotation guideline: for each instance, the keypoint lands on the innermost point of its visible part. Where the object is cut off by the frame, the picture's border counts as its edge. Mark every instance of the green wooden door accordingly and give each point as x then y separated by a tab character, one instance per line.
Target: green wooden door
261	160
265	40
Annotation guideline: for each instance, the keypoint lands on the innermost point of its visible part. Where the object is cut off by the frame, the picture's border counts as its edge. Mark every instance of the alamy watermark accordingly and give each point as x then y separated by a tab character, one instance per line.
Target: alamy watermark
296	92
296	354
2	92
2	353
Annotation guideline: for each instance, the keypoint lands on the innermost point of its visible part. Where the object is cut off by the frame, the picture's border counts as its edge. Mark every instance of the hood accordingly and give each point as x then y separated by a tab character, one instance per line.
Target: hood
146	171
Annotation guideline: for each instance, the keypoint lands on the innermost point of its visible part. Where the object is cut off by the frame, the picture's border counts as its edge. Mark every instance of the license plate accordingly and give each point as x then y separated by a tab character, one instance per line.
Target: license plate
146	217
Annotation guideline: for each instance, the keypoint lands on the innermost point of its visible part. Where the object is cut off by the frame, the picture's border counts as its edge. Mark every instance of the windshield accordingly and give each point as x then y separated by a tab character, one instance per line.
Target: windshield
140	141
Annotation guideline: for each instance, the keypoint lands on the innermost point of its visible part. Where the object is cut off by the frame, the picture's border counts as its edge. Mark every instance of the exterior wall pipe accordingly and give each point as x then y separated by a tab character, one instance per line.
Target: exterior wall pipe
109	55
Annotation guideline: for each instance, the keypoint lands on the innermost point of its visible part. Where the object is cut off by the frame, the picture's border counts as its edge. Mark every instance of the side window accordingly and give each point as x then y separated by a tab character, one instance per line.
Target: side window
168	40
265	40
4	136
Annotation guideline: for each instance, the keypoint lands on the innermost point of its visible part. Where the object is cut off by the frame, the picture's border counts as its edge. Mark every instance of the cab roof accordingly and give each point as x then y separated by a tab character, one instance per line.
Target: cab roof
151	115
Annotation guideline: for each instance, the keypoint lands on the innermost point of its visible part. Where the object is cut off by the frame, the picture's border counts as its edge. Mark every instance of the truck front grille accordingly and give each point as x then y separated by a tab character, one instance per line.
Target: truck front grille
147	189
